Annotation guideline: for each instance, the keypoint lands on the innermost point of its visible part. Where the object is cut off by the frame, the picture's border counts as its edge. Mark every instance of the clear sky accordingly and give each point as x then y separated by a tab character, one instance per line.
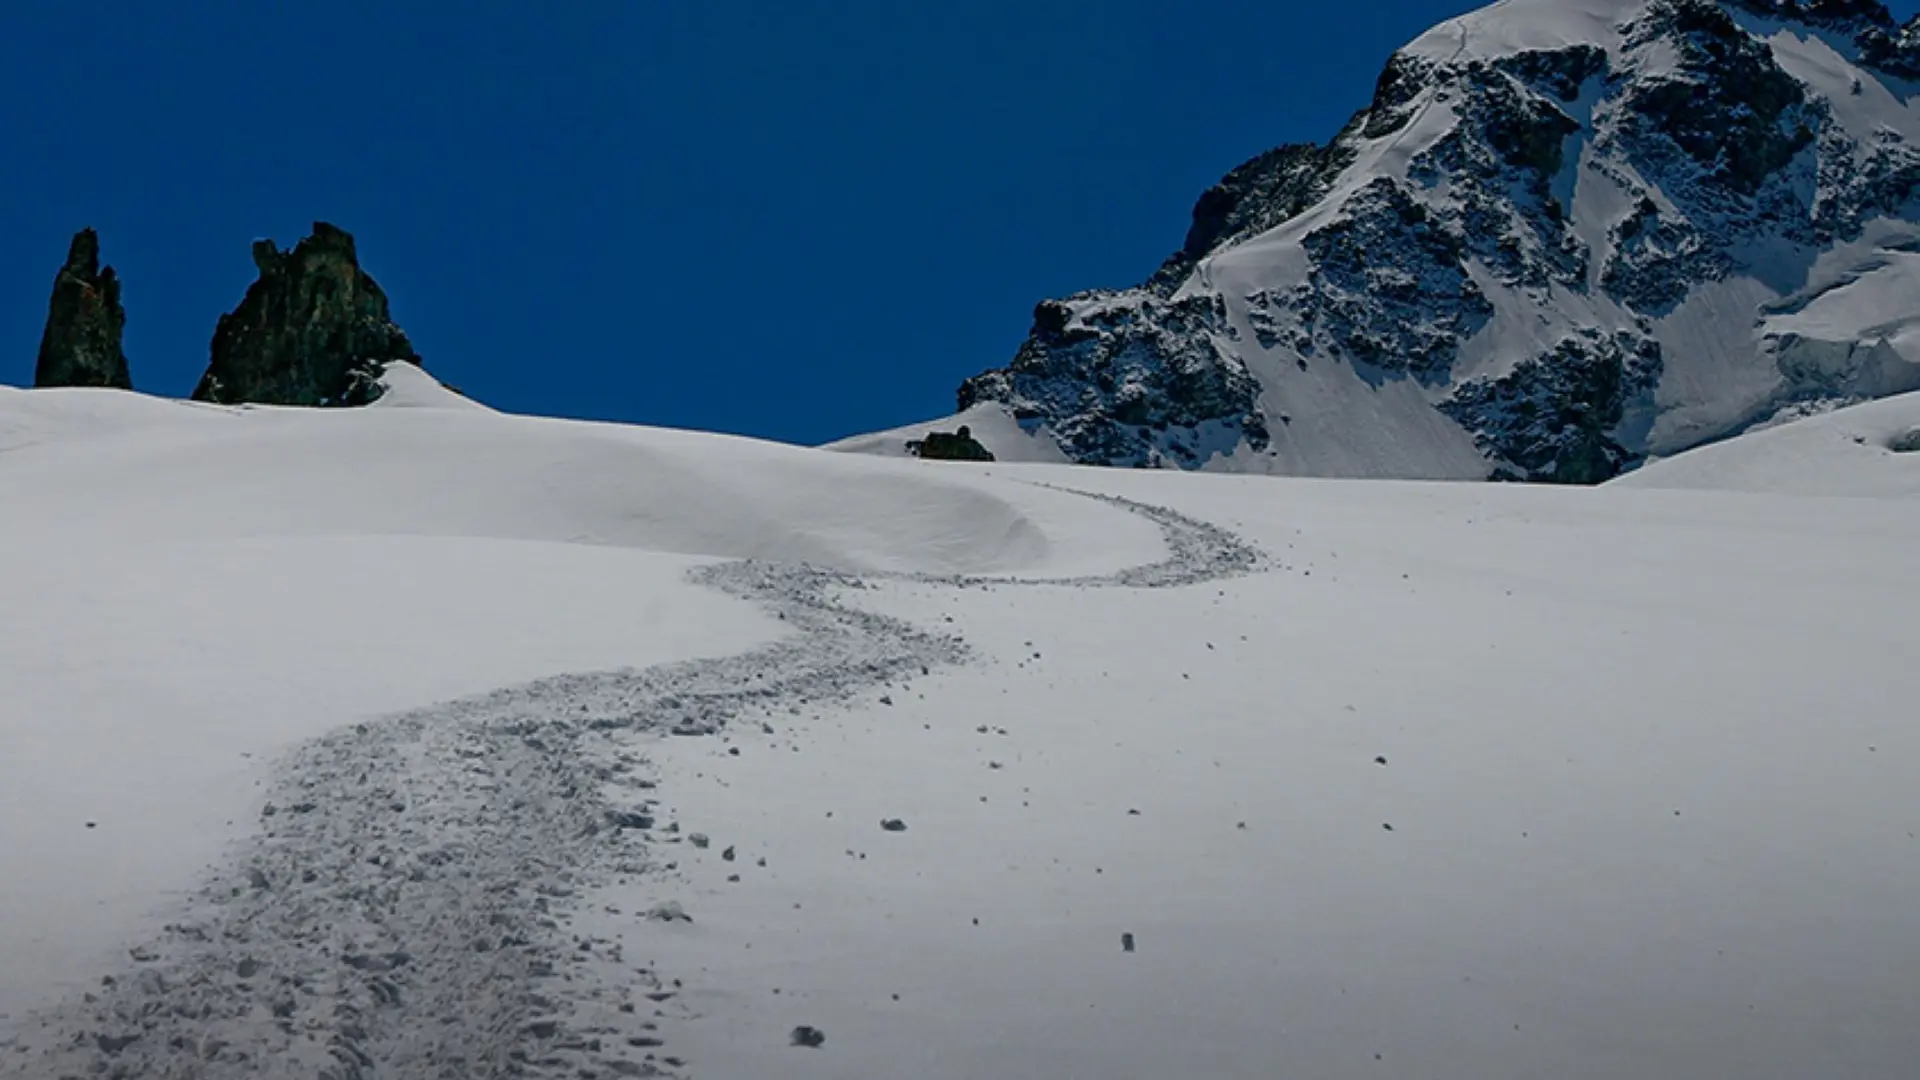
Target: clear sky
796	219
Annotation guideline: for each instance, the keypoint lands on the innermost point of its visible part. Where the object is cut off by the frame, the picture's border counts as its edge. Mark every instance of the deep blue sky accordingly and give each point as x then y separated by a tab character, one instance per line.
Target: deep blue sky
790	219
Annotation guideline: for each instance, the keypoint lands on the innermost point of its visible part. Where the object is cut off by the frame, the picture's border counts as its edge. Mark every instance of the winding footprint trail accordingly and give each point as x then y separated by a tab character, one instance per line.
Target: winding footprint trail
402	913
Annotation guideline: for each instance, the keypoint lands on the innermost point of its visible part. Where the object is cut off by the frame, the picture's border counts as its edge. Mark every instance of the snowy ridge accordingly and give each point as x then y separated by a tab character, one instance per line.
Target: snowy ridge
1871	449
1560	239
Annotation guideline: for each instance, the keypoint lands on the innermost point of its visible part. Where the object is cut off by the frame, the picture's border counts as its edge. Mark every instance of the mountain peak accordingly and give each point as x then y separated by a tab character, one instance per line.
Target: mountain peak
1518	26
1562	236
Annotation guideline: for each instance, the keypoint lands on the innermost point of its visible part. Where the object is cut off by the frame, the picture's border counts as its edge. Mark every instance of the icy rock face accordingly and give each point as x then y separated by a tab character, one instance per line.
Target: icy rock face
1130	379
1552	417
81	344
313	330
1563	233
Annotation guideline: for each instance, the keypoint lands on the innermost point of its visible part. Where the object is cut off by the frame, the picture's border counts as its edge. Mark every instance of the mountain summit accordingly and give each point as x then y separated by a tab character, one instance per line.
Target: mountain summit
1565	235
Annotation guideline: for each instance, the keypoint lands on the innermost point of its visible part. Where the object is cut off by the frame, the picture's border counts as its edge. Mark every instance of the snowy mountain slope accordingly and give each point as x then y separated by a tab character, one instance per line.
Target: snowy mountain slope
990	422
186	585
1564	235
1871	449
1452	781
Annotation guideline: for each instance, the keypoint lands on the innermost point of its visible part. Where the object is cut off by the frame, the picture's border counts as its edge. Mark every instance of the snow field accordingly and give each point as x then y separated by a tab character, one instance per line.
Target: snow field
1644	816
1642	808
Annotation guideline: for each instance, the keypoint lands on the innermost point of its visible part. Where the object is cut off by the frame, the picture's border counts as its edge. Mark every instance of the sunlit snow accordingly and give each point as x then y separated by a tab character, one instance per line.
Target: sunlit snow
1463	780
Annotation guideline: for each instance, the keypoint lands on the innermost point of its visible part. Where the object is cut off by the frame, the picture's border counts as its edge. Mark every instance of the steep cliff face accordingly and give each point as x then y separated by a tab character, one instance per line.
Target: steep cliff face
1564	236
81	343
313	330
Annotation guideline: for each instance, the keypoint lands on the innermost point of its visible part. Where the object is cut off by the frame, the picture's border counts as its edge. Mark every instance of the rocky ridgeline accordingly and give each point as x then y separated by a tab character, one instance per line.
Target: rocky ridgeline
1437	241
314	330
81	344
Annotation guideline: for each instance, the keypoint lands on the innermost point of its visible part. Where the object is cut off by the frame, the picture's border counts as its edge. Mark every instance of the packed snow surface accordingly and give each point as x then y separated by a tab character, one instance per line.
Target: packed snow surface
411	742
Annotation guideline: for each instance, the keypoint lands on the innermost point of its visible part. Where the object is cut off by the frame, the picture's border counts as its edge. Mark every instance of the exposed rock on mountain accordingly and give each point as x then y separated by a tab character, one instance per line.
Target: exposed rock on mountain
81	344
1116	366
957	445
313	330
1564	235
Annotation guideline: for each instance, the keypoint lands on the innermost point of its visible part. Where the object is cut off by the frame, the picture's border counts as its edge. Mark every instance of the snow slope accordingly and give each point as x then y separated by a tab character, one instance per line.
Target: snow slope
1479	781
190	589
1871	449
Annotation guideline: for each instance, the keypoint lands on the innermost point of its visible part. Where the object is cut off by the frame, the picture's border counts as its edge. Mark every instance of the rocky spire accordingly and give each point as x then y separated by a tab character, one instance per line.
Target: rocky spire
313	330
81	345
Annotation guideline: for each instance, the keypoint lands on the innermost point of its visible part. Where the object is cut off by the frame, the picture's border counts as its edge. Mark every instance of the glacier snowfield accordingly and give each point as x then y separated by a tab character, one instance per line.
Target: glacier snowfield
427	740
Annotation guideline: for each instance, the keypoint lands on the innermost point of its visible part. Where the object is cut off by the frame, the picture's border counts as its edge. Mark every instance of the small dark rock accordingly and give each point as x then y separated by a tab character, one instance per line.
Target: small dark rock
630	819
1126	942
811	1037
113	1044
894	825
958	445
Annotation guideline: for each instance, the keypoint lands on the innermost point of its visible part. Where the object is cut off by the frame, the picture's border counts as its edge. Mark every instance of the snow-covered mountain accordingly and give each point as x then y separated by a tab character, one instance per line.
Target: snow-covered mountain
1564	235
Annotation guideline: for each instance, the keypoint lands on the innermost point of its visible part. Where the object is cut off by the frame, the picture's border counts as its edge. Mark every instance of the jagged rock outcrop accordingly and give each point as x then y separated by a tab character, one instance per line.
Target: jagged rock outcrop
1563	236
81	344
957	445
313	330
1135	381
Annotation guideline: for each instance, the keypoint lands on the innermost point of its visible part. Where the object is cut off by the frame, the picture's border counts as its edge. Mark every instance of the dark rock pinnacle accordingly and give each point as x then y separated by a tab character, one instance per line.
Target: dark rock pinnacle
313	330
81	344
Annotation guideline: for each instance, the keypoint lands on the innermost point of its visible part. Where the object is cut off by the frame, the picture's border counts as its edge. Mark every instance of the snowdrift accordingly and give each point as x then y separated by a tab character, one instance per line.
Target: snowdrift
1869	450
431	463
